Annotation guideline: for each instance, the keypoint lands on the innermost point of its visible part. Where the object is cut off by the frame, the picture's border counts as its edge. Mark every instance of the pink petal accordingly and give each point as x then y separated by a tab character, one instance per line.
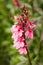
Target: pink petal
25	51
22	44
31	25
22	51
17	45
29	34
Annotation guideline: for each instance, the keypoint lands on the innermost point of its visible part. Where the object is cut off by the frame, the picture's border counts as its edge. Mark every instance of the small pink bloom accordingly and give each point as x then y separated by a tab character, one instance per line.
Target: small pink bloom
21	39
29	33
14	27
31	25
16	30
19	33
15	37
22	51
18	44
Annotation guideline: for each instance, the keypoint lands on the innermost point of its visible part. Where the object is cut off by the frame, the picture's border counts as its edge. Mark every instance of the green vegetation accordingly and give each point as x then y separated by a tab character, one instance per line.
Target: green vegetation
8	54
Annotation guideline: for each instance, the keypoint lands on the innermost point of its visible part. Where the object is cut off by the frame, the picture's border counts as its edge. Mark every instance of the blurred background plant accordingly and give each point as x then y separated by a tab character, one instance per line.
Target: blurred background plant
8	54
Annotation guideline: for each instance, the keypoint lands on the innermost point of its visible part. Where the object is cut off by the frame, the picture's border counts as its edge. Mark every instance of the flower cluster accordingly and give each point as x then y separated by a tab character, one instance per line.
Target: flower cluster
19	29
17	35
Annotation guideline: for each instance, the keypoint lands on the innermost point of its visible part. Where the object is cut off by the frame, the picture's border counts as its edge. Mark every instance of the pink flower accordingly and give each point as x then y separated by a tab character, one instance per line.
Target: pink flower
22	50
31	25
15	37
18	44
29	33
16	30
21	39
14	27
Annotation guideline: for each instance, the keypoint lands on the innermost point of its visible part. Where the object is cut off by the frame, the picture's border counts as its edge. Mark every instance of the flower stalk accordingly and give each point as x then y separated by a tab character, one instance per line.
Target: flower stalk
21	30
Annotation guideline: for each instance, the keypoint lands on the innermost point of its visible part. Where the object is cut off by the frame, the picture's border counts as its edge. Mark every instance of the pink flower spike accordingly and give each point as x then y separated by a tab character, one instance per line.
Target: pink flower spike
29	34
21	30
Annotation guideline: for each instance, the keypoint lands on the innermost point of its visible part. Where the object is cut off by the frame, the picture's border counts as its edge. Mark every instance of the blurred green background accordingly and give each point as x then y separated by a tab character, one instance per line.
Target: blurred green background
8	54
